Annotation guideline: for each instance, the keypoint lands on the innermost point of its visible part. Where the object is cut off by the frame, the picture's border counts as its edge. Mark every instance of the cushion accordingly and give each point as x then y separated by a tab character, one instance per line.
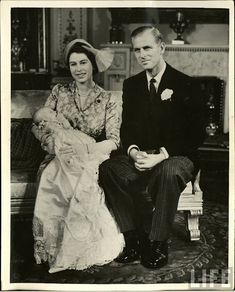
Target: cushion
23	183
25	102
24	175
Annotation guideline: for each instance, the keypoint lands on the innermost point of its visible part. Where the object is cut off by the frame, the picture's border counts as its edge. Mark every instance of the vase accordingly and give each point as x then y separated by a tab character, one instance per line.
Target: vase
179	26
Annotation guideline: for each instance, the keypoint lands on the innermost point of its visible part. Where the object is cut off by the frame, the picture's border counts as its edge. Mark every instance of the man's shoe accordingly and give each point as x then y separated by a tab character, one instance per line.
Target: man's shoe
155	254
128	255
130	252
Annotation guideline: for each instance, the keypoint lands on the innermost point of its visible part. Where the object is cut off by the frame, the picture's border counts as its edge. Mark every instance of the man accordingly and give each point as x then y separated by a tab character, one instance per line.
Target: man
162	128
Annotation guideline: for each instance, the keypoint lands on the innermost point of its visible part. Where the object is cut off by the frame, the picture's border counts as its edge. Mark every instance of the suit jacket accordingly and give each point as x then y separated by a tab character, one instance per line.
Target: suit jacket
177	123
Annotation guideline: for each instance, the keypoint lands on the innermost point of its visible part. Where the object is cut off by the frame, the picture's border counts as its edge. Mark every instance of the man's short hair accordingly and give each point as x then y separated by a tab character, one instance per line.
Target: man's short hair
156	33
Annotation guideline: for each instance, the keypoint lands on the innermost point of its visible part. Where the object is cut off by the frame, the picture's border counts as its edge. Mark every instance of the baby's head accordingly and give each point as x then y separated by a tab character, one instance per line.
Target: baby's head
44	114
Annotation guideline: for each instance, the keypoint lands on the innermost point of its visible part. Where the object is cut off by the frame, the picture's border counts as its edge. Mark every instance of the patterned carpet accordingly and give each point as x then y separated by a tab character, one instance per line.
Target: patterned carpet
185	258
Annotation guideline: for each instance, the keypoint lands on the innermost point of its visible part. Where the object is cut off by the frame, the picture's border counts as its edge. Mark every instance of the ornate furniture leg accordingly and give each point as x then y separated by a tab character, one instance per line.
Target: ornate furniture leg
192	223
191	203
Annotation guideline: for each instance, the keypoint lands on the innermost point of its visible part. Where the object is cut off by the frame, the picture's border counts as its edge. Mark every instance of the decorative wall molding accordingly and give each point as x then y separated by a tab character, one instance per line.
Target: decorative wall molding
60	32
66	24
83	23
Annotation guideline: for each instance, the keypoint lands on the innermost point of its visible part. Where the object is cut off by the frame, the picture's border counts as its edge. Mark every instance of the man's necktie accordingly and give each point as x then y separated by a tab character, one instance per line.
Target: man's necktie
152	90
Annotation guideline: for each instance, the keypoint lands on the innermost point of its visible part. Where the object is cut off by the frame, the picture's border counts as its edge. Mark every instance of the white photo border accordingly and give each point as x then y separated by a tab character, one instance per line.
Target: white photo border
5	119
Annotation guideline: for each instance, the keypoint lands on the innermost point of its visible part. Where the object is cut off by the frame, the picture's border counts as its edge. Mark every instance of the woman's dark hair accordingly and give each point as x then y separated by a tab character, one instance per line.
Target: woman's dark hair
77	48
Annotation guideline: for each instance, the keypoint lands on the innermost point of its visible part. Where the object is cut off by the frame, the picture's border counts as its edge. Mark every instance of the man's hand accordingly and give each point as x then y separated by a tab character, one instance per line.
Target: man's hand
136	154
149	161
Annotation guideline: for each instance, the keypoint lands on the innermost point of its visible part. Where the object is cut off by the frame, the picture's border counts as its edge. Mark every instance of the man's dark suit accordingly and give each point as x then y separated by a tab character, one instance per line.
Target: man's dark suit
176	124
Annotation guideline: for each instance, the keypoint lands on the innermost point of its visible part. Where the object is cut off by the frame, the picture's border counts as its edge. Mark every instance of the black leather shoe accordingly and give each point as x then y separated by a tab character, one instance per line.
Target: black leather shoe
155	254
128	255
130	252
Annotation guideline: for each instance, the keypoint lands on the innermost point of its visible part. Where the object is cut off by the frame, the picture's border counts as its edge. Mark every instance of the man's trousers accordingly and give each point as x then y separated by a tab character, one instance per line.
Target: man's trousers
146	201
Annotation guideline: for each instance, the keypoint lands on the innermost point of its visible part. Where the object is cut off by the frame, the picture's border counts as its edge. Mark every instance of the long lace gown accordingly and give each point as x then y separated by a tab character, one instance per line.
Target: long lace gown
72	226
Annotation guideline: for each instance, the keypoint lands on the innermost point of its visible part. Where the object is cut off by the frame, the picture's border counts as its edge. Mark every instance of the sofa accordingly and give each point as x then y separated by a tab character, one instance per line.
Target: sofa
26	155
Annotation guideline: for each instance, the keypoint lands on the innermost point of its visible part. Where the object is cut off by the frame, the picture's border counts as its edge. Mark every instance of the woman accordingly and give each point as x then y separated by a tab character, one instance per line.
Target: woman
72	226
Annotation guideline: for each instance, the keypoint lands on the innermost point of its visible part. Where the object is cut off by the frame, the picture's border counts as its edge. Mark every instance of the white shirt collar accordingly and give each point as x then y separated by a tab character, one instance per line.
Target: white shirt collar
158	77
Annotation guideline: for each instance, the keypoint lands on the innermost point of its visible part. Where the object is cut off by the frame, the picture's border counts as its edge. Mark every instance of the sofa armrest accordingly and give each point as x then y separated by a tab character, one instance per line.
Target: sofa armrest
26	150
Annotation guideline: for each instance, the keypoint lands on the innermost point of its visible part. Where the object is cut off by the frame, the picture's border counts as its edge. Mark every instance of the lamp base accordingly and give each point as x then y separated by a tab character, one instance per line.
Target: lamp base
177	42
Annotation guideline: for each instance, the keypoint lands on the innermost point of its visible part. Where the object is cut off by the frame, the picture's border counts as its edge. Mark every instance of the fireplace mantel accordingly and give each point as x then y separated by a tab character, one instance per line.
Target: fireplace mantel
197	48
193	60
197	60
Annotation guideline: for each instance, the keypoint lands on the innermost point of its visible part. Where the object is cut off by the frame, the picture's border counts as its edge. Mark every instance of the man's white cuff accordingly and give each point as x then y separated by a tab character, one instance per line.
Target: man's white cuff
164	152
131	147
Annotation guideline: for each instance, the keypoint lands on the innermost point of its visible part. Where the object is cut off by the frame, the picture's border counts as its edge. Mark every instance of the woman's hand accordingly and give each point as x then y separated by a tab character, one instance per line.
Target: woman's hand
148	161
69	149
103	147
48	143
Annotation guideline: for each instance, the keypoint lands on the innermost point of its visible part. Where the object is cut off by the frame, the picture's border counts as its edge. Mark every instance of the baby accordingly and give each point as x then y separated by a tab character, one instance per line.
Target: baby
46	114
49	122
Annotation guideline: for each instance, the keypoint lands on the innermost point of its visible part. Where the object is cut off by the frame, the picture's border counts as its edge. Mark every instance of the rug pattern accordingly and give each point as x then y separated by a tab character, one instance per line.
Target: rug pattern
185	257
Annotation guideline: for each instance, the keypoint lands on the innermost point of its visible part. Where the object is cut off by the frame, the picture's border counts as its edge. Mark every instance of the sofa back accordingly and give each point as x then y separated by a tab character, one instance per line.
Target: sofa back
25	102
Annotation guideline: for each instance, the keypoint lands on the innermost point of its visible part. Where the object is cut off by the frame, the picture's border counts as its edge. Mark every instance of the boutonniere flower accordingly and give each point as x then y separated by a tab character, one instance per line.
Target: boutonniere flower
166	94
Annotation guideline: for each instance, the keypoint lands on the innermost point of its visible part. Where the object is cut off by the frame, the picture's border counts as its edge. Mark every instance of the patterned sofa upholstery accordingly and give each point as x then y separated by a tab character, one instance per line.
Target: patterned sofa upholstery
26	155
26	152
